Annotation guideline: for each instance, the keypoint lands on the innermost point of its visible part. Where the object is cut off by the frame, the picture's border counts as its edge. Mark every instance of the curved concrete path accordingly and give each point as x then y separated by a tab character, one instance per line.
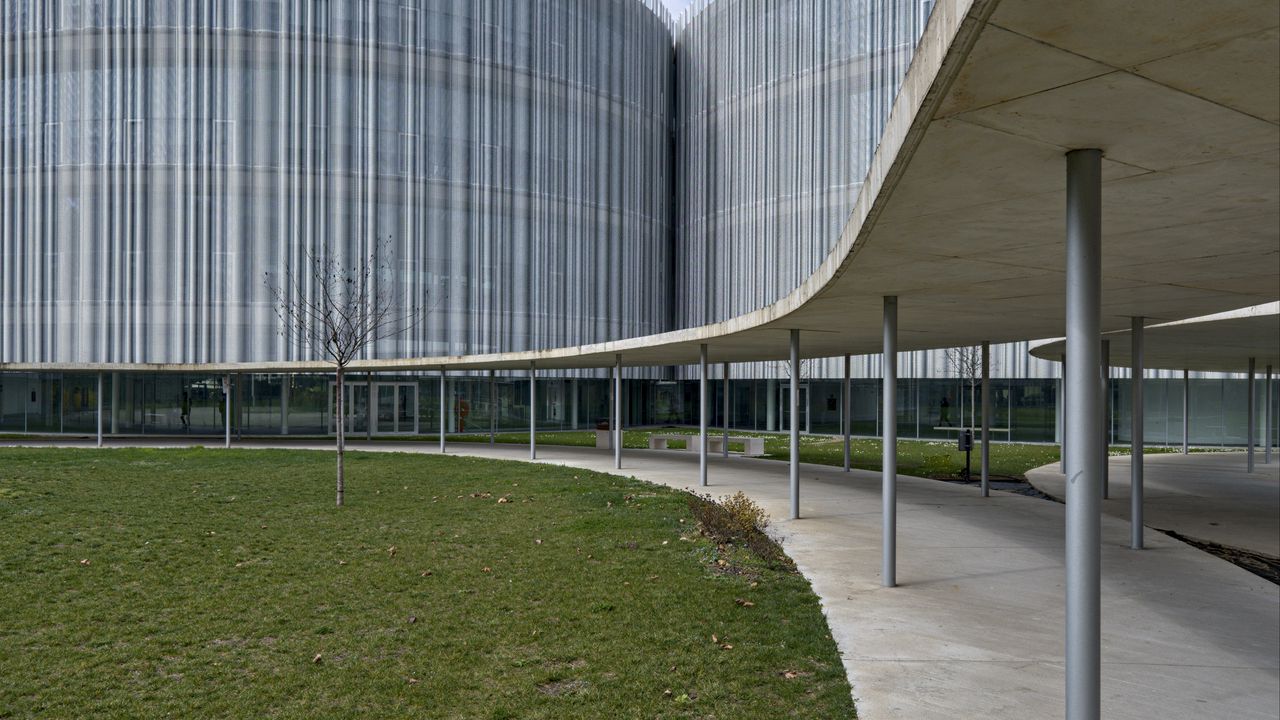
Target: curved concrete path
1207	496
975	628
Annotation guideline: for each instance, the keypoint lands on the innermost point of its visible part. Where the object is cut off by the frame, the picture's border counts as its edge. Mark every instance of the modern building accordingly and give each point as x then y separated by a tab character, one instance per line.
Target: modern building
539	175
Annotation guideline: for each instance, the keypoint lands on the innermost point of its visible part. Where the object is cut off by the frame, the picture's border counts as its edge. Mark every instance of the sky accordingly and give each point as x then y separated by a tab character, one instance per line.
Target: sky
675	6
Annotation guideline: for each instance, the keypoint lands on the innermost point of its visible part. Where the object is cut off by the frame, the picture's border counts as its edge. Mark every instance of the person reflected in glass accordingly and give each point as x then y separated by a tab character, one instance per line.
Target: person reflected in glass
944	412
186	412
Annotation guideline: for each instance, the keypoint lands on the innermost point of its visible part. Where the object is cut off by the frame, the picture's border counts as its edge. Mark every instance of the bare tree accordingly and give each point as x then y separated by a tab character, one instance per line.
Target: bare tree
337	311
966	363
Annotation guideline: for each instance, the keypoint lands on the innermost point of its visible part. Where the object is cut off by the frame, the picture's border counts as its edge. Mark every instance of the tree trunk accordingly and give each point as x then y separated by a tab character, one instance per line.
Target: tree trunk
342	437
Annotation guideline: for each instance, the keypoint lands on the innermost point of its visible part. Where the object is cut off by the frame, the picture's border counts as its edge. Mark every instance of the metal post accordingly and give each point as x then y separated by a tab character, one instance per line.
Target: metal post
226	409
986	419
1266	422
1084	450
724	374
702	415
795	425
284	404
889	446
533	412
616	423
369	415
493	409
115	402
573	403
100	409
1062	418
443	408
1137	441
1106	417
847	414
1186	411
1252	425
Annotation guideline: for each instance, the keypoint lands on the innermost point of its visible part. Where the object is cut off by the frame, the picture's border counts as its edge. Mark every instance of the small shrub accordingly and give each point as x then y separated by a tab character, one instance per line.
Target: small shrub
738	519
744	516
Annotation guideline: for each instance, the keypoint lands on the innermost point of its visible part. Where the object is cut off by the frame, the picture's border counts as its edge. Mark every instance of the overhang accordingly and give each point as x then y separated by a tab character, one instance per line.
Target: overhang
1222	342
962	213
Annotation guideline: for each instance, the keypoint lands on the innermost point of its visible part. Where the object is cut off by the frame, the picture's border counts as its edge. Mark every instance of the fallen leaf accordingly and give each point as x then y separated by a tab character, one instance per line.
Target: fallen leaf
426	573
485	569
391	551
413	619
413	681
726	646
85	561
342	562
715	639
744	603
317	658
790	674
504	500
537	541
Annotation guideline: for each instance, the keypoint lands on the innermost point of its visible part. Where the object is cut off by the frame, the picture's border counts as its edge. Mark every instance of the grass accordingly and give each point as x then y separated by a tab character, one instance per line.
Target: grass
923	458
214	583
937	459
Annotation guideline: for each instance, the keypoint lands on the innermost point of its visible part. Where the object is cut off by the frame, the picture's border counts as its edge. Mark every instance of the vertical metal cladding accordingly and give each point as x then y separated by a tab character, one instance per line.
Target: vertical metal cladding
159	157
781	105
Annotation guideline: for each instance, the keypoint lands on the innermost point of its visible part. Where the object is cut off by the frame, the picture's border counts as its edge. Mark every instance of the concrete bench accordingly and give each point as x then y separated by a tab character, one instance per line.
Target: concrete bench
751	446
658	441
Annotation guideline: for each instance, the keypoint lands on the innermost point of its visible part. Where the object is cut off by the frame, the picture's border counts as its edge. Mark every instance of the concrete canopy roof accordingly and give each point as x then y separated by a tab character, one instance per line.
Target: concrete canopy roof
1222	342
962	213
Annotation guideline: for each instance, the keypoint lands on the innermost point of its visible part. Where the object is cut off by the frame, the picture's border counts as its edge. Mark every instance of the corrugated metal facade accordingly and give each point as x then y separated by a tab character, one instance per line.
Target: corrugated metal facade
160	157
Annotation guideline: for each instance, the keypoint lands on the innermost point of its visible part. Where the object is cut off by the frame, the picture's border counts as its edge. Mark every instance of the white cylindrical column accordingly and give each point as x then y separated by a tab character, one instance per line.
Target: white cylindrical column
99	398
1138	440
1266	420
444	405
1084	452
1105	372
724	376
493	408
702	414
1252	424
285	381
533	412
615	423
986	419
794	455
226	410
889	447
1186	411
846	413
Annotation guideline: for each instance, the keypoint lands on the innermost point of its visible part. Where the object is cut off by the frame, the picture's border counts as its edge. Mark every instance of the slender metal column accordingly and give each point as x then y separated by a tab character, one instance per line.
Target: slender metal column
493	409
226	409
724	374
795	425
444	426
100	409
847	414
573	403
1106	417
284	404
1186	411
533	412
616	422
369	415
889	446
1084	450
986	419
1253	421
1138	441
702	415
1062	418
115	402
1266	421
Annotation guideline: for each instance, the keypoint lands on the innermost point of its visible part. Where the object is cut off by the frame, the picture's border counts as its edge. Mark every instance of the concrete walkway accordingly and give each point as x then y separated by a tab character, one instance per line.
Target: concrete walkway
975	628
1207	496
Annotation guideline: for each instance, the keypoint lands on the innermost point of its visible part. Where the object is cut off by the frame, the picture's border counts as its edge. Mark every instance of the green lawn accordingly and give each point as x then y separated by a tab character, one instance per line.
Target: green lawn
922	458
936	459
213	583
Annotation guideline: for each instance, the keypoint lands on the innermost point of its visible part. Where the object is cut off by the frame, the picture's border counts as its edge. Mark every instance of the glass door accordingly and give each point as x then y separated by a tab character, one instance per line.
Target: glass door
784	405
